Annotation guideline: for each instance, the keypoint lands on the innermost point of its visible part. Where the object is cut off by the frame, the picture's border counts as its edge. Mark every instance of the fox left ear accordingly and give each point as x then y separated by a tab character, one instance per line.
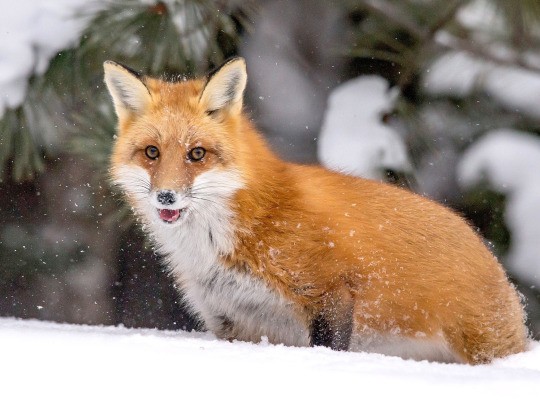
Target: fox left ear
128	91
225	87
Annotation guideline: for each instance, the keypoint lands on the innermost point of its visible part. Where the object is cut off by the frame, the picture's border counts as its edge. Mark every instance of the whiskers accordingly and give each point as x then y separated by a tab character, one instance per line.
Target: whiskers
215	187
210	198
206	200
211	192
133	180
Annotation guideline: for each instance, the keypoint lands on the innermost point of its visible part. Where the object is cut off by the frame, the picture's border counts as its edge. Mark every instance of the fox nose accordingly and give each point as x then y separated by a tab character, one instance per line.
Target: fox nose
166	197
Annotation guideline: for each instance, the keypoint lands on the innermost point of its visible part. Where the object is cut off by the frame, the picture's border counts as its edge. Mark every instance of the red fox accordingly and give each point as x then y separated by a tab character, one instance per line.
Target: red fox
295	253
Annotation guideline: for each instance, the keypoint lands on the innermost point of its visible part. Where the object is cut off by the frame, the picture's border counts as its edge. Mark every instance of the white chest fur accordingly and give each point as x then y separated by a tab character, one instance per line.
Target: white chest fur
232	304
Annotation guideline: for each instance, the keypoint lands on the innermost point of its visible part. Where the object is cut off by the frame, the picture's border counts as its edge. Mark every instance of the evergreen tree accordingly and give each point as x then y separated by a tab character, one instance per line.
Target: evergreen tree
67	117
183	37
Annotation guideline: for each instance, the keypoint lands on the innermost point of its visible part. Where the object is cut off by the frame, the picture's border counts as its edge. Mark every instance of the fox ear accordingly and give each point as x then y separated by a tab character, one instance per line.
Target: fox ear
225	86
129	94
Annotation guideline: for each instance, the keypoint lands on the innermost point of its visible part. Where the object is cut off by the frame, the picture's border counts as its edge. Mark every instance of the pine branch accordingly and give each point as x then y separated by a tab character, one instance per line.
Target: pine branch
425	42
432	40
450	42
176	36
445	18
396	14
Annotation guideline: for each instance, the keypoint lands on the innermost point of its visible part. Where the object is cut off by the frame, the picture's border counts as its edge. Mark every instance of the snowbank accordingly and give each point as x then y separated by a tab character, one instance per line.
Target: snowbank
508	160
32	32
57	368
353	138
458	74
482	16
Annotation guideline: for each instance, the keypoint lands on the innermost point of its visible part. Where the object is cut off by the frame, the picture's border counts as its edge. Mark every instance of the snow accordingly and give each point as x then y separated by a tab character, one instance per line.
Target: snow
353	138
481	15
32	32
458	74
53	367
515	89
455	74
508	160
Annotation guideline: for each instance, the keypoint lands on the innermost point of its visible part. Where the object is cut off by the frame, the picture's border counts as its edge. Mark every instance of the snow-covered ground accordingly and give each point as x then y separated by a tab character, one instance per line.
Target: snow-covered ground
52	367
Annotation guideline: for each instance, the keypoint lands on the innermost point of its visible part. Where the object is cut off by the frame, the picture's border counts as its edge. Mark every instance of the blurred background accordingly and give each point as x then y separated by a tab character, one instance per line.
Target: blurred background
439	96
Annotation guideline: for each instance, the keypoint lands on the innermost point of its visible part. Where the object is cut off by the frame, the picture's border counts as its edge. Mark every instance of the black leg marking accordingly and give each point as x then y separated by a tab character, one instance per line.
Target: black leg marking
325	333
342	337
321	334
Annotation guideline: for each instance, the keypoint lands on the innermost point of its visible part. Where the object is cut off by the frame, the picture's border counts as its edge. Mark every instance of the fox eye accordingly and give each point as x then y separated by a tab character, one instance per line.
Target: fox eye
196	154
152	152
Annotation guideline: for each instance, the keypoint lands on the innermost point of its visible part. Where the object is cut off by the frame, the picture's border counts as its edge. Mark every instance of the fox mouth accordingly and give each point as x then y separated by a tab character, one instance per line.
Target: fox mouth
170	215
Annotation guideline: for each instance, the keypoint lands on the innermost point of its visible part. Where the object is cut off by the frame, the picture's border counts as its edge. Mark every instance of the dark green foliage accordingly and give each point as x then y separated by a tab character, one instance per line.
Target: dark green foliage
404	34
522	16
485	209
126	31
18	149
400	33
179	37
25	253
175	37
32	132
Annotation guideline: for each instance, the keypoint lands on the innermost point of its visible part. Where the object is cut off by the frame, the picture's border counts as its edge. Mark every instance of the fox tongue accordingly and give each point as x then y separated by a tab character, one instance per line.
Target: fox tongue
169	215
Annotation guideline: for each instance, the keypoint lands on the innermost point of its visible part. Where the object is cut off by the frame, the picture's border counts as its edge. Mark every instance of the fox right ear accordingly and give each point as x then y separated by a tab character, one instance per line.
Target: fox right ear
224	88
129	93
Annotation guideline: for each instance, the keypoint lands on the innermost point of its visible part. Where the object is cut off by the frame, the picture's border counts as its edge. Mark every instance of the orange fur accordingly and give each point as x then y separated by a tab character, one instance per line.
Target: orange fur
398	263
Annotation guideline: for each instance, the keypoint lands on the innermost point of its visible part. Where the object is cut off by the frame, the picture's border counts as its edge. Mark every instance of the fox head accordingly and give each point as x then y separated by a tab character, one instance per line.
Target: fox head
177	156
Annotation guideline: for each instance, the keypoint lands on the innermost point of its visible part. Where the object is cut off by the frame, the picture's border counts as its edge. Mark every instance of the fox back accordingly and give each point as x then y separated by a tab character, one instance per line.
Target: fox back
298	254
